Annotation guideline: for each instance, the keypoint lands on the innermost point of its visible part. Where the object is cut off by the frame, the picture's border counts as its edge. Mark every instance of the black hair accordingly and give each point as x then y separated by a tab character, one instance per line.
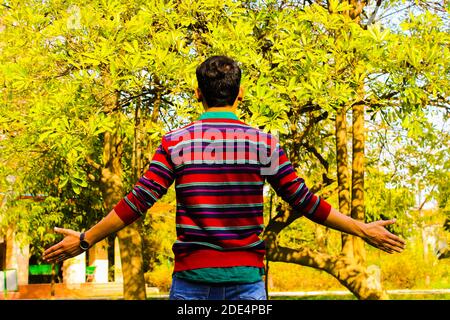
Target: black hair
219	78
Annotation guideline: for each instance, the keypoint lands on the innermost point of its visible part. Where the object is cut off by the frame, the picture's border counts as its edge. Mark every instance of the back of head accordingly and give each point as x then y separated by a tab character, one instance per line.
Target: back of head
219	78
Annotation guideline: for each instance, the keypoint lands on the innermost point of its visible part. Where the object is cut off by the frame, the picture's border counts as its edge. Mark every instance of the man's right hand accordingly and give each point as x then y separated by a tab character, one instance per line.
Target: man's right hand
67	248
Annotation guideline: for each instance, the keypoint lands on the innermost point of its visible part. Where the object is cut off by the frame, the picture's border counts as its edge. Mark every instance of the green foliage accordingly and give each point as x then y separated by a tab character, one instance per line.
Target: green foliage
160	276
385	201
159	232
410	270
63	62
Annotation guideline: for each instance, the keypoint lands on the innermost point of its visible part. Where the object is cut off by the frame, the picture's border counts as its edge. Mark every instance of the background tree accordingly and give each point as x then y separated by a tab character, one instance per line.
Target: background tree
89	87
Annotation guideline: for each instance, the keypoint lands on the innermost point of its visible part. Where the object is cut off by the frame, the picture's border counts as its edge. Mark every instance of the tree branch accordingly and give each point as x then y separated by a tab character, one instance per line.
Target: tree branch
395	12
353	276
374	13
92	163
311	123
316	153
326	181
427	198
386	96
125	101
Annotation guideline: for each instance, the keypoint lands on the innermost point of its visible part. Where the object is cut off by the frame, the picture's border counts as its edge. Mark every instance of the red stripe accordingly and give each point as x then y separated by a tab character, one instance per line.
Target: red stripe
225	199
287	178
219	177
236	243
125	213
228	243
157	178
218	259
322	212
215	153
215	222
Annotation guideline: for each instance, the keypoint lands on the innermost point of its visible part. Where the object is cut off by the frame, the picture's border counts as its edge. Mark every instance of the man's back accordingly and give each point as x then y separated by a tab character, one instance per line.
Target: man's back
219	165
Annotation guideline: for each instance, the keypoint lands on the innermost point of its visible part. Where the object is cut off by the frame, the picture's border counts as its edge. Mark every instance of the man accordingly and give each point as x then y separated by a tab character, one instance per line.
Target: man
219	165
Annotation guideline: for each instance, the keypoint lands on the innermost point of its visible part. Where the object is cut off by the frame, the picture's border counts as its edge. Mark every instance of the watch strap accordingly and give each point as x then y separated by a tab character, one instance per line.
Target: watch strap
84	245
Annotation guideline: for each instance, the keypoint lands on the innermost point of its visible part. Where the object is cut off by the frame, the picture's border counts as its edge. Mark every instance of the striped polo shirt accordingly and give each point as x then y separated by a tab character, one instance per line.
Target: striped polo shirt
219	165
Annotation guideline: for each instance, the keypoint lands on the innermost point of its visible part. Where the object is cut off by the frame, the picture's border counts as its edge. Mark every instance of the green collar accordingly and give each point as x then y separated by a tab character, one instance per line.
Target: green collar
218	115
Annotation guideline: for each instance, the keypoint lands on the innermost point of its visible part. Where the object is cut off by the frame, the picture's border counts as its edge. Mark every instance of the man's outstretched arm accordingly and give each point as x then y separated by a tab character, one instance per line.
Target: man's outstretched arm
293	190
373	233
70	245
150	187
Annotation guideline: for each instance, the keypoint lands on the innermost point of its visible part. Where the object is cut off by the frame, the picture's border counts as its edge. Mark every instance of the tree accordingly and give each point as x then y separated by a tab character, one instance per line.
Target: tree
363	68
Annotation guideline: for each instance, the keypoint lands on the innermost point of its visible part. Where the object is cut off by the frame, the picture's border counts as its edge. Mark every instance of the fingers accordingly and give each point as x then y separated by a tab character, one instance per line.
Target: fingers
66	232
393	246
384	240
61	253
386	222
59	257
381	246
387	250
396	240
392	242
54	248
395	237
384	246
62	257
51	257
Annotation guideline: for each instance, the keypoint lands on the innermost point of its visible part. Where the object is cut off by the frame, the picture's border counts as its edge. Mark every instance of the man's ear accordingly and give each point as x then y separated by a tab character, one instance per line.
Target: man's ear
240	94
198	95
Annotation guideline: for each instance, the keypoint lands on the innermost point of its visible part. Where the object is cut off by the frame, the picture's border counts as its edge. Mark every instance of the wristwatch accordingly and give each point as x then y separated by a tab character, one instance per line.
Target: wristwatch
84	245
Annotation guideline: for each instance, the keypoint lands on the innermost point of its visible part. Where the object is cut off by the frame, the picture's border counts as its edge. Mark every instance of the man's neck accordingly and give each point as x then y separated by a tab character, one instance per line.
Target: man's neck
221	109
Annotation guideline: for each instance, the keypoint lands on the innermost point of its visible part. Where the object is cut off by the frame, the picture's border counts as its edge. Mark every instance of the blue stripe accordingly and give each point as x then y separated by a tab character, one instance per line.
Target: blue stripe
133	207
315	206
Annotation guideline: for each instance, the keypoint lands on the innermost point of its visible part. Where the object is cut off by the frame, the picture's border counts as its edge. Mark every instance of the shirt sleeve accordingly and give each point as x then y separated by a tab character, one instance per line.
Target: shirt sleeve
150	187
292	189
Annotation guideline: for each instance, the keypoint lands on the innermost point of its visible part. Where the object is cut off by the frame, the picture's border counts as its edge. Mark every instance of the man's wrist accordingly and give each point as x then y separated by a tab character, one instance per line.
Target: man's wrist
89	238
84	244
360	229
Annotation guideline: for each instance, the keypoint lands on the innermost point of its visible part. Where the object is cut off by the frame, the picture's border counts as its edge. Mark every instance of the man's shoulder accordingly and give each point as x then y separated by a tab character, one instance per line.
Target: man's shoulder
180	129
210	126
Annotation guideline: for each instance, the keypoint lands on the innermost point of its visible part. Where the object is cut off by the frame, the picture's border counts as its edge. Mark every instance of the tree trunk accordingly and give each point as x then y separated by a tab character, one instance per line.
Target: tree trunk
357	211
130	240
347	267
343	175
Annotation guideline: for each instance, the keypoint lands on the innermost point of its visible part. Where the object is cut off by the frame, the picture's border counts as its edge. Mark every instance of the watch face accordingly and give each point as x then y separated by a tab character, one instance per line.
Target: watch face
84	245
